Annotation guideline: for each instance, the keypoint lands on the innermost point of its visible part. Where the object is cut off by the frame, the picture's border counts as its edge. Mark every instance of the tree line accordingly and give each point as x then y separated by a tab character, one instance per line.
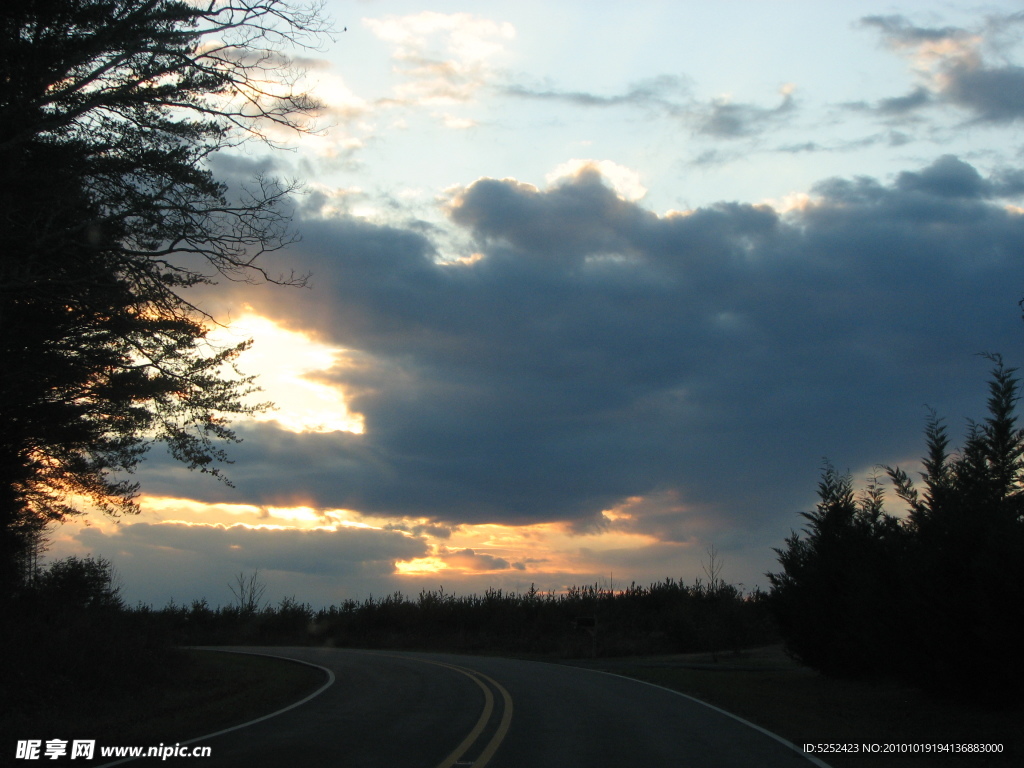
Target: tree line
664	617
932	597
670	616
67	641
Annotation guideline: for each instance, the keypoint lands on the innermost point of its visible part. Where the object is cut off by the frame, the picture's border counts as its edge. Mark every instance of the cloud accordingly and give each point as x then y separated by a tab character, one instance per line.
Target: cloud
951	64
290	368
458	123
436	531
995	95
442	58
946	177
950	177
716	156
625	181
575	218
468	560
725	119
164	561
925	41
661	515
670	95
592	351
900	105
338	552
663	92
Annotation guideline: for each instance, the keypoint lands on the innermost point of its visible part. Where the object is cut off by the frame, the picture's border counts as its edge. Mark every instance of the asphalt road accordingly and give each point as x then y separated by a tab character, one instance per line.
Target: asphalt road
419	710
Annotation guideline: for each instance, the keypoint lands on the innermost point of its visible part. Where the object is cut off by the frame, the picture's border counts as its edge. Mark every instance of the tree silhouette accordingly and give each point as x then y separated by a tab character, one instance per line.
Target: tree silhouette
826	597
968	560
109	110
935	597
248	592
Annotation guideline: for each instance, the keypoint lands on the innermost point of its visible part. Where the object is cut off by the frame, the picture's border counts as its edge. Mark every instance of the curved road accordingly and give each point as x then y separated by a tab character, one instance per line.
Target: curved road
420	710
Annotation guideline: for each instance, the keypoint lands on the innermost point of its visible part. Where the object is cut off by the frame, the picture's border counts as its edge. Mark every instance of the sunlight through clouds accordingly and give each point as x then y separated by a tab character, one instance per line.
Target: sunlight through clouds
625	181
287	363
421	566
541	551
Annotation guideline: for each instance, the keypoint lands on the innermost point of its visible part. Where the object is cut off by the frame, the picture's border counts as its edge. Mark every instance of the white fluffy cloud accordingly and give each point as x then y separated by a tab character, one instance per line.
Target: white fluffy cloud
442	58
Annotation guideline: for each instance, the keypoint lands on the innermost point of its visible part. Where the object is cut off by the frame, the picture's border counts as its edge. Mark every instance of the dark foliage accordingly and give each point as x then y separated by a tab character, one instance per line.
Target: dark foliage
68	641
667	617
933	598
828	597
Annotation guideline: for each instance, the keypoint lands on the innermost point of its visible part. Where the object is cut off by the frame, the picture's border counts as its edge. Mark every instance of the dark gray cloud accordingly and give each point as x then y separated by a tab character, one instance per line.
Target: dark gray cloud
946	177
899	29
891	138
437	531
712	157
670	95
665	92
950	176
995	95
900	105
961	77
340	553
729	120
804	146
599	351
469	560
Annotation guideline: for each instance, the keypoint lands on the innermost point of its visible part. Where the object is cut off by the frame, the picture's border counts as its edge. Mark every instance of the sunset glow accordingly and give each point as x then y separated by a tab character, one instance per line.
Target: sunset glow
288	364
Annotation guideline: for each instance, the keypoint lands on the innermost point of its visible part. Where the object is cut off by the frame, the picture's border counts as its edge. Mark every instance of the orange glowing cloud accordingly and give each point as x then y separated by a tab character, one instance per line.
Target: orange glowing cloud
541	549
630	538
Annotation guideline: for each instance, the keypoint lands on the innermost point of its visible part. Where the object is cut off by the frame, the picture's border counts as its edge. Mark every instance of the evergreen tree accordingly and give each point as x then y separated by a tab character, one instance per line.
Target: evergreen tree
968	556
826	597
933	598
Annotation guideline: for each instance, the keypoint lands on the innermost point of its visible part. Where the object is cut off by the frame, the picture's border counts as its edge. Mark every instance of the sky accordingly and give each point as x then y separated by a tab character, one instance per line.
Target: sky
596	287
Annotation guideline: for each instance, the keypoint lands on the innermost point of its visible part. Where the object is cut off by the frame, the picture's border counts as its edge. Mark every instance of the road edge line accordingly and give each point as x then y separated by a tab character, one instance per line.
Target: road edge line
313	695
785	742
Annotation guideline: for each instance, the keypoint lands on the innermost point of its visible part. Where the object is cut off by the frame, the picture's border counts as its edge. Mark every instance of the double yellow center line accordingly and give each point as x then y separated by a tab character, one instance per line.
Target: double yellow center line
471	738
482	680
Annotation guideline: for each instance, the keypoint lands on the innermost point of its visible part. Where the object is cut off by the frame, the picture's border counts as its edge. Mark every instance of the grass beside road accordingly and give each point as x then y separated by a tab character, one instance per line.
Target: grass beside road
210	691
769	689
224	689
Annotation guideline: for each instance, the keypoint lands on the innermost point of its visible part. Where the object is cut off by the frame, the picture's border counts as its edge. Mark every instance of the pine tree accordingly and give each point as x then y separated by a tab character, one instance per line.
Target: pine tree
933	598
825	597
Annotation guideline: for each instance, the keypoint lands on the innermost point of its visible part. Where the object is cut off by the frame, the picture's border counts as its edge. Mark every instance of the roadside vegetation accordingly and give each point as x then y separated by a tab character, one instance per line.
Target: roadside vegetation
75	662
666	617
208	692
934	598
